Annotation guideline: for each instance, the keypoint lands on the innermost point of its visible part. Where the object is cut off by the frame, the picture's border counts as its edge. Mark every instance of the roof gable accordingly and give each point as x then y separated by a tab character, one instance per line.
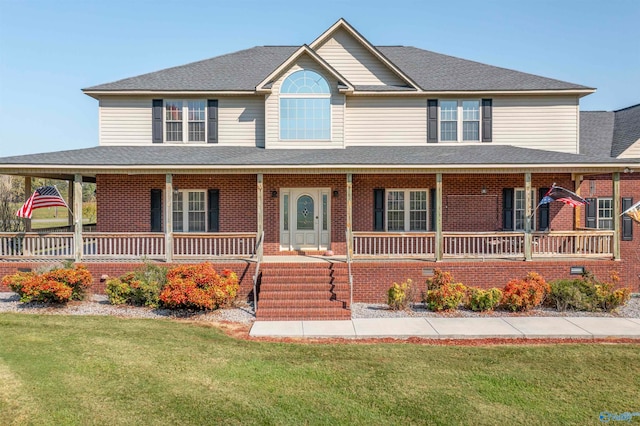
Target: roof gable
357	59
265	84
626	133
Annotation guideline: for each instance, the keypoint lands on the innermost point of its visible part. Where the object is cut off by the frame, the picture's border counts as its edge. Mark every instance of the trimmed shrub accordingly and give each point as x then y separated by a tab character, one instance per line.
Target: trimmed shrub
399	296
483	300
56	286
587	293
447	297
140	288
199	287
439	279
525	294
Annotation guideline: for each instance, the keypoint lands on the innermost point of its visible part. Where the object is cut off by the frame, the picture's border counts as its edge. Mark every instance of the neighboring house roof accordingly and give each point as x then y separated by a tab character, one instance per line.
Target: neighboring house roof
627	129
229	156
244	70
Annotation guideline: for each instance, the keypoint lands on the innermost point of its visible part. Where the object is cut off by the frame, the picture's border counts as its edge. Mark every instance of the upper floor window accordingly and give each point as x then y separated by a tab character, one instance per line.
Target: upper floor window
305	107
185	120
459	120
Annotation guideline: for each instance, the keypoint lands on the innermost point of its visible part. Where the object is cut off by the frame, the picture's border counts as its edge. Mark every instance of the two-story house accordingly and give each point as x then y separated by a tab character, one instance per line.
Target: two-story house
369	164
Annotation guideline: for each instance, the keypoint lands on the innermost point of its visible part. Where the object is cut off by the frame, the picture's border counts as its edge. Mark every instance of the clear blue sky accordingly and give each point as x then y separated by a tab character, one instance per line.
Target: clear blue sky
49	50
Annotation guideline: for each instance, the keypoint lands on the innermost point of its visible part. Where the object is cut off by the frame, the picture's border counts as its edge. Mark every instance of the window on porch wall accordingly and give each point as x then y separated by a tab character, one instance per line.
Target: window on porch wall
403	216
189	211
519	211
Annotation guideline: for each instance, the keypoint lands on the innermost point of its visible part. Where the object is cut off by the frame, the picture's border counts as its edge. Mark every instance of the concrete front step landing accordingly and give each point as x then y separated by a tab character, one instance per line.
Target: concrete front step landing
303	291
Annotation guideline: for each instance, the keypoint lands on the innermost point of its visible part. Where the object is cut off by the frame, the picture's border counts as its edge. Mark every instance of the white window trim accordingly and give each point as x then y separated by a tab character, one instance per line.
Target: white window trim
407	209
185	121
304	96
598	212
460	120
185	209
534	210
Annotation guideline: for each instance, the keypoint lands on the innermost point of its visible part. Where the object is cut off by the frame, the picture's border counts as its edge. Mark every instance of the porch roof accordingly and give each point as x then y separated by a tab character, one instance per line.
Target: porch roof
157	156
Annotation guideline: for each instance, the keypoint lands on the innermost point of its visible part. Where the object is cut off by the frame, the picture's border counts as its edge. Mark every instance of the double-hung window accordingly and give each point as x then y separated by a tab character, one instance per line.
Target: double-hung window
605	213
459	120
185	120
519	210
406	210
189	211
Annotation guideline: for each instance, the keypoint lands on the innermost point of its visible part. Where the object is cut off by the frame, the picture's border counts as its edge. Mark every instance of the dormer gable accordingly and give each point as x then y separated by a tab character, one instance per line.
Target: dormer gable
304	51
357	59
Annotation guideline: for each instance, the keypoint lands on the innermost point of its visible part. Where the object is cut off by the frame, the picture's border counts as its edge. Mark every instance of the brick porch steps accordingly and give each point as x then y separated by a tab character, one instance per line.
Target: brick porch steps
303	291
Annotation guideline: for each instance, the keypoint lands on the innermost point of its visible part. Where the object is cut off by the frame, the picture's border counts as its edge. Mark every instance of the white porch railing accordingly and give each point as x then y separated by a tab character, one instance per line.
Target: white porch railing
105	245
191	245
20	245
393	244
483	244
573	243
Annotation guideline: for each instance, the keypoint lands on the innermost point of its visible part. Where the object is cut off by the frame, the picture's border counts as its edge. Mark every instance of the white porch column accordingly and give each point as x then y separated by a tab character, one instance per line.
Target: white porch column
27	193
528	207
616	215
260	199
77	216
350	214
168	218
439	237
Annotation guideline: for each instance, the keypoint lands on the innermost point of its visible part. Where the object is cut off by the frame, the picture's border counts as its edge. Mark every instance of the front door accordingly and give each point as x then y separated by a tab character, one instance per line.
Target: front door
304	223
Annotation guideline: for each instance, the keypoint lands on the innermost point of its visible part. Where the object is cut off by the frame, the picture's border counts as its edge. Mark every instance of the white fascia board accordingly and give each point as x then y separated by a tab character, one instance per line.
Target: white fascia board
98	93
576	92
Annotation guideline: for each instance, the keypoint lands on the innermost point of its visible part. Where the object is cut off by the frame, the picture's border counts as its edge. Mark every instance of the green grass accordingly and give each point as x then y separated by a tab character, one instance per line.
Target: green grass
104	370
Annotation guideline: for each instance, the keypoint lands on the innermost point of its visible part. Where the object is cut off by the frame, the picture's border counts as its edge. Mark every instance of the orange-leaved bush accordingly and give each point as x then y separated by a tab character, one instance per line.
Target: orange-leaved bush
56	286
199	287
525	294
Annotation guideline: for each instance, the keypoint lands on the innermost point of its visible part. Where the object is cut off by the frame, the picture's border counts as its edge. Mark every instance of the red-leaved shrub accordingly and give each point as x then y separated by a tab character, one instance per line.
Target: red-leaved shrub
57	286
525	294
199	287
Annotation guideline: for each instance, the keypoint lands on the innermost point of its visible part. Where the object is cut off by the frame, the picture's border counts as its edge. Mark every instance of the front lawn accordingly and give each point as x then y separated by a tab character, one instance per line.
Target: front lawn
105	370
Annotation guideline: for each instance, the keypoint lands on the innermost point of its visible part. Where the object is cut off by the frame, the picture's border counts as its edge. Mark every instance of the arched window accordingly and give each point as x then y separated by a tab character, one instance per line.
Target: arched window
305	107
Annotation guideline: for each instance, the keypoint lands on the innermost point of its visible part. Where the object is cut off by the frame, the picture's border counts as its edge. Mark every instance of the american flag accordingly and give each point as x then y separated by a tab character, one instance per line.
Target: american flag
557	193
45	196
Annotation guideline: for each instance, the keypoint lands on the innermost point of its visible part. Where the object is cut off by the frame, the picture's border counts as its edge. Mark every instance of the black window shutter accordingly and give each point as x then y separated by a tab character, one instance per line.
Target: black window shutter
378	209
591	210
212	121
214	210
507	209
432	211
156	130
432	121
487	120
156	210
543	211
627	222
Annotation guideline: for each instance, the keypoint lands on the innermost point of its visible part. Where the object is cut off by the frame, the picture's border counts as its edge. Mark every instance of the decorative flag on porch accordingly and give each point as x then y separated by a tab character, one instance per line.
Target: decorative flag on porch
45	196
557	193
633	212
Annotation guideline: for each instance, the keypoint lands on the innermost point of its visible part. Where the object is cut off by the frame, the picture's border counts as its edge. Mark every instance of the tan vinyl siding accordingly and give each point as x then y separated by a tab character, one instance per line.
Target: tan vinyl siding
386	121
128	121
241	121
632	152
125	121
548	123
272	110
355	62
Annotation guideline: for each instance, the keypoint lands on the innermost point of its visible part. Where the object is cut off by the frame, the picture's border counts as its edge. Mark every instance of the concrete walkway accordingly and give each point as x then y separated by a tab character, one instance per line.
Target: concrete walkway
455	328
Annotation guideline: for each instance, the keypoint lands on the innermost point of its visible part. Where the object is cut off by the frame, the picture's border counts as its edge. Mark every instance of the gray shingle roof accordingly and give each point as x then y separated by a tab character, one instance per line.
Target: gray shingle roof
596	131
184	156
244	69
626	130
